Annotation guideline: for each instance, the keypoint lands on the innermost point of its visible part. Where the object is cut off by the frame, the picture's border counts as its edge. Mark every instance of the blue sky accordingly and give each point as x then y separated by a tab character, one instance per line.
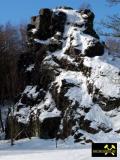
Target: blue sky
17	11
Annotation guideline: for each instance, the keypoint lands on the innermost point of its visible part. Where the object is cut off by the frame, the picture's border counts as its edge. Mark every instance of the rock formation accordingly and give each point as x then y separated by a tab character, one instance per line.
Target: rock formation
72	84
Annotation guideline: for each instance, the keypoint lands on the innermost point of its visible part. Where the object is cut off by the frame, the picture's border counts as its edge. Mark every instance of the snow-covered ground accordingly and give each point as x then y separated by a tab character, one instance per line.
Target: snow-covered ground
37	149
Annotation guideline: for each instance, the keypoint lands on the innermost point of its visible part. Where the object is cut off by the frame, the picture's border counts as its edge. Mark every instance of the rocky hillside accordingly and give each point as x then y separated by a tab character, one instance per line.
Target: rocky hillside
72	81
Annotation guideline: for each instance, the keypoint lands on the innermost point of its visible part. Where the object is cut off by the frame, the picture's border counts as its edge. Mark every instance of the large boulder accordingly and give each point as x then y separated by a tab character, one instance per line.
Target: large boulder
72	83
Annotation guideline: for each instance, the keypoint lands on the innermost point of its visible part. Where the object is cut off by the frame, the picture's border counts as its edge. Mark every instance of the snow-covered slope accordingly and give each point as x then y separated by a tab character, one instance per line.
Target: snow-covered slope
46	150
77	89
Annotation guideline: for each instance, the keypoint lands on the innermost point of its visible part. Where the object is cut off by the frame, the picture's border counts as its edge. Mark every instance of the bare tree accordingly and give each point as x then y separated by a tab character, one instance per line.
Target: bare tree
112	23
114	45
113	2
12	40
23	37
1	121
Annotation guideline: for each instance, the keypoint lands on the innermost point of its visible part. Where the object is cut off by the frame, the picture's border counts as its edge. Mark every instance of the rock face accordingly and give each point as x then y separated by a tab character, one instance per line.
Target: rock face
72	84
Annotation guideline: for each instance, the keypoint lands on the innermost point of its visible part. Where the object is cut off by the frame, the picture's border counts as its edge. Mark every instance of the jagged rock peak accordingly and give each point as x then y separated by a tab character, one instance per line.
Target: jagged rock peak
54	25
72	83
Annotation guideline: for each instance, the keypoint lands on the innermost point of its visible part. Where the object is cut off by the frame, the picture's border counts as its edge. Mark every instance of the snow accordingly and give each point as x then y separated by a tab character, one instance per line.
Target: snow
48	101
58	33
46	150
46	42
25	113
114	118
102	70
87	41
45	114
102	74
31	91
99	118
80	40
45	155
78	93
34	30
52	111
84	16
30	67
73	16
49	61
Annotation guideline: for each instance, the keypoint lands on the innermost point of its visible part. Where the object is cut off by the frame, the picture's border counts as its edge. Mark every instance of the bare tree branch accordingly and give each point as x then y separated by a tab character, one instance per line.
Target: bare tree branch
113	2
112	24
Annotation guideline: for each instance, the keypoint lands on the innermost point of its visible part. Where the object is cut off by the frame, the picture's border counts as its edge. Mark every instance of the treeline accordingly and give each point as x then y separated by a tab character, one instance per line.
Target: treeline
12	44
112	26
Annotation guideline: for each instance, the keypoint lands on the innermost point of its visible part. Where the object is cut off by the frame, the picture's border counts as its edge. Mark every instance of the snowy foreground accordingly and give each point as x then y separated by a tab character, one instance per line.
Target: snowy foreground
37	149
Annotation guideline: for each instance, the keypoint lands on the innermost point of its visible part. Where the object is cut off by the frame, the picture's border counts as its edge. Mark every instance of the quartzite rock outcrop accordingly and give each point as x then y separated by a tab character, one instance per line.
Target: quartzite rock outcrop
72	84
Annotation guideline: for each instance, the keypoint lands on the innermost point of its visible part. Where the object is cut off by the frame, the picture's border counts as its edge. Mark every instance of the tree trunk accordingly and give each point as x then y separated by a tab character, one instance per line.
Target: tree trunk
11	126
1	122
11	130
